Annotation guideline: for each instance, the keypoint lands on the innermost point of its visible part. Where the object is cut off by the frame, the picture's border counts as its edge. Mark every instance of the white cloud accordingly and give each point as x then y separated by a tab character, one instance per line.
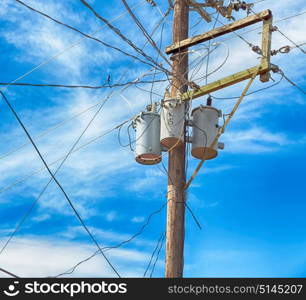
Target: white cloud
137	219
111	216
36	39
254	140
41	218
40	257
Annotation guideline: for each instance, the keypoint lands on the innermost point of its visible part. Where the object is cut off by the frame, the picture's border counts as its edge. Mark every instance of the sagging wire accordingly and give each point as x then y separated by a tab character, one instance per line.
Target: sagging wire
122	36
71	270
72	149
251	93
62	157
153	253
220	66
145	33
97	87
9	273
165	171
58	183
138	233
51	58
158	252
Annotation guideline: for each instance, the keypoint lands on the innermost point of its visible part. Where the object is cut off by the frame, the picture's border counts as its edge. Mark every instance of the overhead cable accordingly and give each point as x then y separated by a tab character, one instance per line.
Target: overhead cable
56	181
122	36
84	34
55	56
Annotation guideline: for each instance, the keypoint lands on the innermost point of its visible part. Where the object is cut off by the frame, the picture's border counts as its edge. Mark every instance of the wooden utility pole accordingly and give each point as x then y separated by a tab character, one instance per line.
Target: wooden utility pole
176	166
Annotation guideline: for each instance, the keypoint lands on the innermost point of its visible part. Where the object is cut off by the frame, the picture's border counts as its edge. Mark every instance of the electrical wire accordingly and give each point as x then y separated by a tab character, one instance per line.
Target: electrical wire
138	233
27	177
9	273
128	41
51	58
122	36
82	33
152	256
114	85
28	212
160	45
145	33
274	22
209	45
82	86
71	270
158	252
293	83
165	171
88	36
59	167
56	181
290	40
251	93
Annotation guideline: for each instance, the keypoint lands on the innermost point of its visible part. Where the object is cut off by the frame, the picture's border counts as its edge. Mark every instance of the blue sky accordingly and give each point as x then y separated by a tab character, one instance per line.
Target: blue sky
250	200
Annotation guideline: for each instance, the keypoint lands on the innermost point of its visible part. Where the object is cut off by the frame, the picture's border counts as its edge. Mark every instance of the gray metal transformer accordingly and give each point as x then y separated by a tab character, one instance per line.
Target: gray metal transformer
148	148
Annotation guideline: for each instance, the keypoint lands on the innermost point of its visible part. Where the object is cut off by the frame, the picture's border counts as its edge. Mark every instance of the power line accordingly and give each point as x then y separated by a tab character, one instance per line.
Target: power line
51	58
209	45
138	233
274	22
56	181
251	93
122	36
28	212
8	273
152	256
60	158
160	45
292	82
158	252
50	129
82	33
114	85
82	86
290	40
59	167
145	33
165	171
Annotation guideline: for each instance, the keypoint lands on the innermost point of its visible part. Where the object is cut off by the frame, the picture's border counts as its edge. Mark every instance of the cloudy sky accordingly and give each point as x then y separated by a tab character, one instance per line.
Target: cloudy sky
249	199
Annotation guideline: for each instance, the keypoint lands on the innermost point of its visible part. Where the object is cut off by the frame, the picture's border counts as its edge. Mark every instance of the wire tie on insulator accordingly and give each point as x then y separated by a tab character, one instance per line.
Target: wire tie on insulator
285	49
256	49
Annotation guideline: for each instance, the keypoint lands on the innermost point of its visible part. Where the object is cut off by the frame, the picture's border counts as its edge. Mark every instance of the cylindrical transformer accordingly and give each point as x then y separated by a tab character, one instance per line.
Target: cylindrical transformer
172	123
204	130
147	127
